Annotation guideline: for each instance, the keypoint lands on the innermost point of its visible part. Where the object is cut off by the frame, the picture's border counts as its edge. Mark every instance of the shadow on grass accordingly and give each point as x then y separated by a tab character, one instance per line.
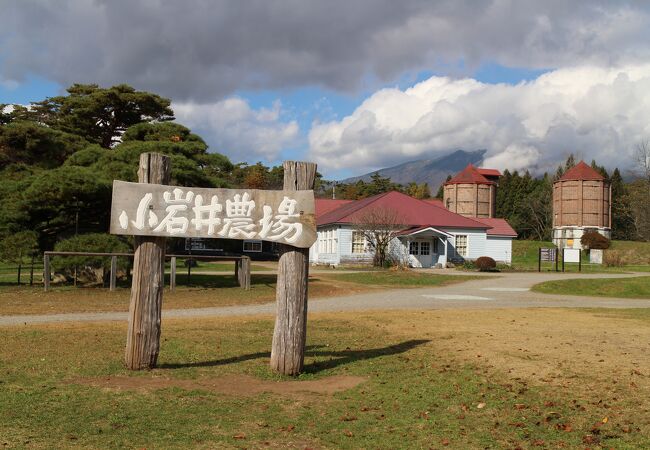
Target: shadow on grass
336	358
222	281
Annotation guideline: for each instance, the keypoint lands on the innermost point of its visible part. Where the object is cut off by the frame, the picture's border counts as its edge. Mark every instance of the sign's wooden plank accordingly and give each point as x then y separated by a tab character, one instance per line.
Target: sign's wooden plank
286	217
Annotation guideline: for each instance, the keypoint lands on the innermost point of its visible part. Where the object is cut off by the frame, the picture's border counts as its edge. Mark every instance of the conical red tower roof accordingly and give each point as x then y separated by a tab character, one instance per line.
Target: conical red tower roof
469	175
581	171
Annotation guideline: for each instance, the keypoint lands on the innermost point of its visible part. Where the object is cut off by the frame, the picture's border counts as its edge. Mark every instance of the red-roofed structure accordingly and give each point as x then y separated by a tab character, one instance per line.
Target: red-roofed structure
581	171
431	234
498	227
434	201
471	175
581	201
325	205
472	192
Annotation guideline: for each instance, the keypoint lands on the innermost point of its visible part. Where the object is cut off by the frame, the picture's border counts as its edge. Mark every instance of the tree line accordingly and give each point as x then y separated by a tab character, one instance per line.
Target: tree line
59	157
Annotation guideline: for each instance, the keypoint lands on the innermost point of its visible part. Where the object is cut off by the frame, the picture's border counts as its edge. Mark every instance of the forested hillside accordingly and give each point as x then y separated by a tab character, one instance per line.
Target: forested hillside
59	157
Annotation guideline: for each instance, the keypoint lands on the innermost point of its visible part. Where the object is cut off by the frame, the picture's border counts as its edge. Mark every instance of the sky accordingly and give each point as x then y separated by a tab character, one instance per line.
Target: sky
357	85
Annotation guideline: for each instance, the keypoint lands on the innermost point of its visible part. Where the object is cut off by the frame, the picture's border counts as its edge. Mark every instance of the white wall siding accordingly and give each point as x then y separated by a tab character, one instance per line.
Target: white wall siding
499	248
345	248
475	243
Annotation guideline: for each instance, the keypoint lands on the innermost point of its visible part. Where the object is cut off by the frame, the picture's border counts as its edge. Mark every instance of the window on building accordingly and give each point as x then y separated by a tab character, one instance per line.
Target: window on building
425	248
461	245
358	242
253	246
413	248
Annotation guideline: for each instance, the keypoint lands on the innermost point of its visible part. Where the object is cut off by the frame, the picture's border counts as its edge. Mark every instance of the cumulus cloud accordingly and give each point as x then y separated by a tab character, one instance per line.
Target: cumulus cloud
233	128
202	51
593	112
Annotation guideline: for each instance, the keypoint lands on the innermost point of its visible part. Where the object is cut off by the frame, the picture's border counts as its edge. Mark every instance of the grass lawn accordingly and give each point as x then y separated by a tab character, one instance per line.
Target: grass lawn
525	254
401	279
434	379
638	287
207	291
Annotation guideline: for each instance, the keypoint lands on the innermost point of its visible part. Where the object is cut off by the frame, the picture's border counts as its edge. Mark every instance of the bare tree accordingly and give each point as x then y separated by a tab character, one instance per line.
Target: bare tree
640	190
379	227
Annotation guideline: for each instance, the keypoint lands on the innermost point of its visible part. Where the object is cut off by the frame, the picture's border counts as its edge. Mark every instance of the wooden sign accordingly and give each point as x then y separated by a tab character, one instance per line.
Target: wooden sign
548	254
141	209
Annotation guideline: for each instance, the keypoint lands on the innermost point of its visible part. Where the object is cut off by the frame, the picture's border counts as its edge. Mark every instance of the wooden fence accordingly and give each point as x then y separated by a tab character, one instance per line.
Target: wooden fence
242	266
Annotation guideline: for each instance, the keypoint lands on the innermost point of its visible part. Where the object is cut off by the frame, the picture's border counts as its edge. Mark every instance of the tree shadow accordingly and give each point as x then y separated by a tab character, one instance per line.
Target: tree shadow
343	357
224	361
337	358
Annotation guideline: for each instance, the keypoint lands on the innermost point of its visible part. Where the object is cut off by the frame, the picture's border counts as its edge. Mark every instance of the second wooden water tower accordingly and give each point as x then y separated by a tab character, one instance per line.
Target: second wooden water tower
581	203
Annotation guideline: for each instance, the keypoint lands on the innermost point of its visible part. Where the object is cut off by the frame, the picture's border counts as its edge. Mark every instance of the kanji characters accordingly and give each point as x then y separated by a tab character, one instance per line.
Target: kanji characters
281	228
239	223
173	223
200	210
234	220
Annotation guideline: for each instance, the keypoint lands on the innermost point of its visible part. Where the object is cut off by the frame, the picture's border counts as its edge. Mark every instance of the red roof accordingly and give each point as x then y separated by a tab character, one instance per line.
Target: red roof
433	201
489	172
581	171
469	175
500	227
325	205
411	211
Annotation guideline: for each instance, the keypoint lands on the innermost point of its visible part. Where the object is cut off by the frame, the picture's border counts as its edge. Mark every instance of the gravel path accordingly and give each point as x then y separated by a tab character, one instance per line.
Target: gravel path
505	290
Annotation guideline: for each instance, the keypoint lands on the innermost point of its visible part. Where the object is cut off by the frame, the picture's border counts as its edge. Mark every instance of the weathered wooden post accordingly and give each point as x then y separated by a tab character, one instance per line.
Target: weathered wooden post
113	279
143	338
243	272
172	274
46	272
290	333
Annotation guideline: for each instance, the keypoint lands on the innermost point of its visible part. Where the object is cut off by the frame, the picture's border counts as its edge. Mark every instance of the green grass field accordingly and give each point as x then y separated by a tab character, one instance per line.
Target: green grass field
400	279
414	380
636	254
603	287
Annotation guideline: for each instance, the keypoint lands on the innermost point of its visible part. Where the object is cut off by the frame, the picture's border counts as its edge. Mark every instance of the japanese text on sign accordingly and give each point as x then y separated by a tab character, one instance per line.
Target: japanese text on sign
157	210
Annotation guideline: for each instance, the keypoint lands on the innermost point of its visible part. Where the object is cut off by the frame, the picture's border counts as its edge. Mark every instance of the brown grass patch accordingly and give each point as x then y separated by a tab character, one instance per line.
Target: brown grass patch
234	384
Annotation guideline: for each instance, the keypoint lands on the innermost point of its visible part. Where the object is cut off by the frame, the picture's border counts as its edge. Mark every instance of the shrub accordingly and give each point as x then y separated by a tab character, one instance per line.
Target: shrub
613	258
91	242
485	264
595	240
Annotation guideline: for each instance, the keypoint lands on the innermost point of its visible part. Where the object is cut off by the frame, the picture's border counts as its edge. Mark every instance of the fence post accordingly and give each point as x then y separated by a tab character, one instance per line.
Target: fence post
46	272
143	338
290	333
172	274
31	272
20	266
539	259
113	273
243	272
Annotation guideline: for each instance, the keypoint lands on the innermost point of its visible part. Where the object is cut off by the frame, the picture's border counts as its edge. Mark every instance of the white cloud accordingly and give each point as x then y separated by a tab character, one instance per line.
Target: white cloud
233	128
593	112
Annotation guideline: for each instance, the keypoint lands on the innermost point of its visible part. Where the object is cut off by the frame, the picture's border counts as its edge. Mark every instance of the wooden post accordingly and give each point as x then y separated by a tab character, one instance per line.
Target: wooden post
290	333
113	279
243	272
46	272
172	274
539	260
20	267
143	338
31	272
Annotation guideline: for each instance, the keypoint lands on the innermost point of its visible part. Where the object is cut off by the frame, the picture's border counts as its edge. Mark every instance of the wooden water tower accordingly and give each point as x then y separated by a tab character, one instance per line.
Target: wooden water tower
581	202
472	192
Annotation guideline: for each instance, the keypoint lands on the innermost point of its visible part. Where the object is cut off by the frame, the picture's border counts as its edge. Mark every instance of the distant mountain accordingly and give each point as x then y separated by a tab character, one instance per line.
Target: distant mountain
432	171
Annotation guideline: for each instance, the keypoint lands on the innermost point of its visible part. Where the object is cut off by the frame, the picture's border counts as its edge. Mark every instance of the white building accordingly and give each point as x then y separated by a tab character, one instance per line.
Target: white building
432	234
